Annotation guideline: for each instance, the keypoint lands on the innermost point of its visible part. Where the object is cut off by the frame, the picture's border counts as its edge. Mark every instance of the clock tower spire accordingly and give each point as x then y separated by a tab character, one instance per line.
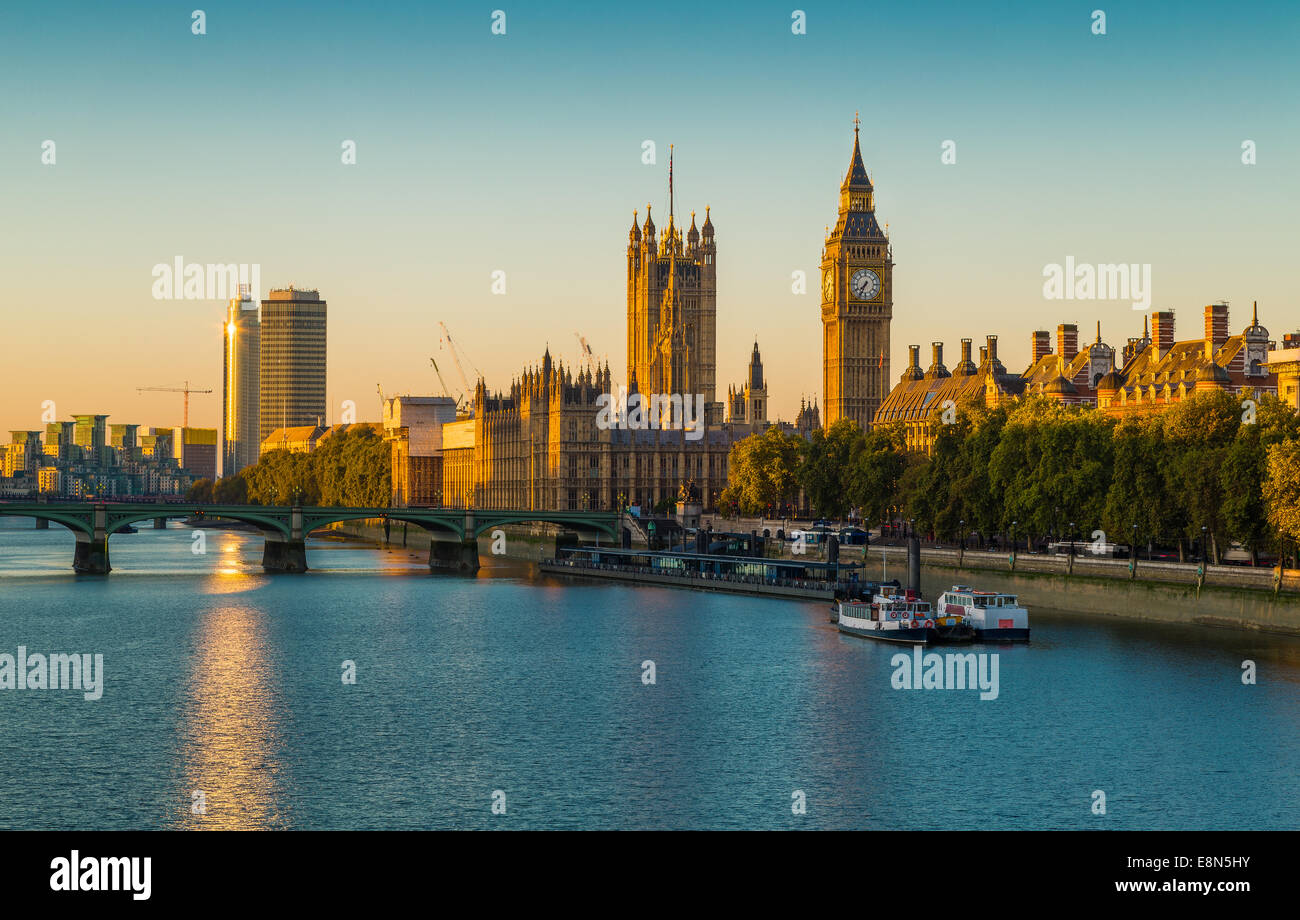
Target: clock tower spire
857	301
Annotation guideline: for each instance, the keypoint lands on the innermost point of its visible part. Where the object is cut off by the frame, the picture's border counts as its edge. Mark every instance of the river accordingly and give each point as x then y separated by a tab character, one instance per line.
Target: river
224	706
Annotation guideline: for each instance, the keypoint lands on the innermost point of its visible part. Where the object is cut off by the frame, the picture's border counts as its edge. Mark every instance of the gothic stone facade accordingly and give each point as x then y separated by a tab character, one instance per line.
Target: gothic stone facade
857	303
538	446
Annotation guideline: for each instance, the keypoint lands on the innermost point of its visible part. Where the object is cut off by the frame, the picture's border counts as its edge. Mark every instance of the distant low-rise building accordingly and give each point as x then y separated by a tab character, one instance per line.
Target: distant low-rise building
1285	363
50	480
87	459
301	439
1156	372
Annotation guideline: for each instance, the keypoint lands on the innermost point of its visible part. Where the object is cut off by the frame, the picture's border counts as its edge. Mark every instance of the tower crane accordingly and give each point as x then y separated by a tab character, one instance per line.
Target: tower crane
187	390
445	389
453	347
585	355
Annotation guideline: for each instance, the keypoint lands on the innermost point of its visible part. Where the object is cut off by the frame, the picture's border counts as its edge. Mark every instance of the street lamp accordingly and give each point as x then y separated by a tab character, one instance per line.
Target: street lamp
1135	542
962	525
1204	531
1013	535
1072	539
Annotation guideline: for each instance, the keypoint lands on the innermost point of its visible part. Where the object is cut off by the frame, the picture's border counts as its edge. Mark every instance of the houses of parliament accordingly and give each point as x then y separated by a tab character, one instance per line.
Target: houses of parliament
538	444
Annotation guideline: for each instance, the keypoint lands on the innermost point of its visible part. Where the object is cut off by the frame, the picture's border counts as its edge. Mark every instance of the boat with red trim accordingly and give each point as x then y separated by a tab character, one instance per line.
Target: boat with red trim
995	617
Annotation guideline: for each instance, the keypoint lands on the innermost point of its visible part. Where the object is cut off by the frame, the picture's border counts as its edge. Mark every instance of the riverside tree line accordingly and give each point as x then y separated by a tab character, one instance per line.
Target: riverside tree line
351	469
1036	467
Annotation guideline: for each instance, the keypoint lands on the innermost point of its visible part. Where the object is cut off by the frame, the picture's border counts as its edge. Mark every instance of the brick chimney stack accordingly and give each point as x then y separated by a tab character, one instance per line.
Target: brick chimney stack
1067	341
991	346
1041	346
936	367
966	367
1162	332
1216	327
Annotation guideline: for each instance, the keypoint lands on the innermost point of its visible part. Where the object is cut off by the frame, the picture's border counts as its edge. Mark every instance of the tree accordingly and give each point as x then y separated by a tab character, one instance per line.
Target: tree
1198	430
826	467
874	471
280	476
981	503
350	468
1052	467
935	504
1282	489
200	491
761	471
1241	484
1138	493
231	490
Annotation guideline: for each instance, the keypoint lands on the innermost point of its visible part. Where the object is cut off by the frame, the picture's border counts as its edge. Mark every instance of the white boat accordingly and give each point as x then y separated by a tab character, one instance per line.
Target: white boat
901	618
995	617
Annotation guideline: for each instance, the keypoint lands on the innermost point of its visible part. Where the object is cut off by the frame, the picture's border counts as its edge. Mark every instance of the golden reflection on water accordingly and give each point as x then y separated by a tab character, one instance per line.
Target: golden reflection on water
232	580
231	740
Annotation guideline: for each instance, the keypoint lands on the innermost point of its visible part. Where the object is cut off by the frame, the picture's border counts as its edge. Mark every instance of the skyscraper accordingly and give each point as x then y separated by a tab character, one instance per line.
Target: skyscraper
291	377
241	357
857	303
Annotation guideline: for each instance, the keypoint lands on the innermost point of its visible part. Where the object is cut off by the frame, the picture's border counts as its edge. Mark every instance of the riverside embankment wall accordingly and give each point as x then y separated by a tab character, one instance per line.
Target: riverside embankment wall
1229	596
1234	597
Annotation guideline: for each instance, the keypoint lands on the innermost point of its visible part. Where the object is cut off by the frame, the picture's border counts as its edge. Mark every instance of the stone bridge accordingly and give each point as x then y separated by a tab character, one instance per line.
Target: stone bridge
455	531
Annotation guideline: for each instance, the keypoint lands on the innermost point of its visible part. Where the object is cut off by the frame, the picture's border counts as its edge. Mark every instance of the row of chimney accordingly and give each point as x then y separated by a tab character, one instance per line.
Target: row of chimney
1162	334
1067	340
988	352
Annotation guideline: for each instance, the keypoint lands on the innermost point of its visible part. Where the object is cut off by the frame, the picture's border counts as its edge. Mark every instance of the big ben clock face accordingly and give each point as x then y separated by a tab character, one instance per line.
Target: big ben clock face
828	284
865	284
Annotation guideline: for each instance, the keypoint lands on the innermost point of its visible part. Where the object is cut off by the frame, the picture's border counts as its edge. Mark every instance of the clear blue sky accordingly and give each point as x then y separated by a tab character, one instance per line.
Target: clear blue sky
522	153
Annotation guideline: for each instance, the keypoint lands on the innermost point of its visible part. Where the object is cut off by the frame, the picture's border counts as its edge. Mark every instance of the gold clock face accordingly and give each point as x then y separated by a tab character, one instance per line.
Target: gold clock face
828	284
865	284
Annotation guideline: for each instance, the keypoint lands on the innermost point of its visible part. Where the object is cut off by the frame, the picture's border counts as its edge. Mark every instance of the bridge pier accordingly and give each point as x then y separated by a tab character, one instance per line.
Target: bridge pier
160	523
42	523
91	557
454	556
281	555
564	539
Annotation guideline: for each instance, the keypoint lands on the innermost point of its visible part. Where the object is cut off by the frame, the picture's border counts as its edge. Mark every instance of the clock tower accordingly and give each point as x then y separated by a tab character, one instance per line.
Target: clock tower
857	303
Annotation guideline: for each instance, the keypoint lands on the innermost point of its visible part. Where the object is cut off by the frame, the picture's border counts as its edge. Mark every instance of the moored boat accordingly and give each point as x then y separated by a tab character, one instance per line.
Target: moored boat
901	618
994	617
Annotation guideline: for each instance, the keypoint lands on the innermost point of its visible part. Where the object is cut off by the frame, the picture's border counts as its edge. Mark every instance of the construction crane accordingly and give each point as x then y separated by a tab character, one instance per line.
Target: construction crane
453	347
187	390
585	354
445	389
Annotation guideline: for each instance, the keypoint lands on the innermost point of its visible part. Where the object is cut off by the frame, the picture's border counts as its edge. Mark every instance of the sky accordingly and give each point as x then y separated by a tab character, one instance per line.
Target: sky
522	153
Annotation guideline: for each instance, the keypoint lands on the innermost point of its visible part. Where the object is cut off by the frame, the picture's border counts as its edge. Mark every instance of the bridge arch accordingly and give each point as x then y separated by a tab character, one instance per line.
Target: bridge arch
263	520
74	521
606	523
433	521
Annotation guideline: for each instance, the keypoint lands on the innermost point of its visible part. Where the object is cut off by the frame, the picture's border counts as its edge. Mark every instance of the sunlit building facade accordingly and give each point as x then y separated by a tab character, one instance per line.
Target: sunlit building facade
291	369
240	392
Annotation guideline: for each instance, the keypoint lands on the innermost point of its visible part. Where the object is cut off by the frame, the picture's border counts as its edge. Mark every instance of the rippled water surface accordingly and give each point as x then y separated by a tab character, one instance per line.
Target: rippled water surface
222	681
